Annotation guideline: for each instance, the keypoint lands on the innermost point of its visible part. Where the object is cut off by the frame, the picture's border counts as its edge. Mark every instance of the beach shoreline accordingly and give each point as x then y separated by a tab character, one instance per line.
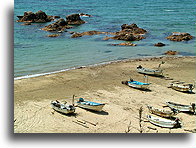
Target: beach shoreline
101	83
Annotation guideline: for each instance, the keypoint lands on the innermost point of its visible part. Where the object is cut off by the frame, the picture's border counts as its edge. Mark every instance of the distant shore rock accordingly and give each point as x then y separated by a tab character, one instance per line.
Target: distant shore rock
159	44
74	19
93	32
38	17
171	52
60	26
124	44
178	36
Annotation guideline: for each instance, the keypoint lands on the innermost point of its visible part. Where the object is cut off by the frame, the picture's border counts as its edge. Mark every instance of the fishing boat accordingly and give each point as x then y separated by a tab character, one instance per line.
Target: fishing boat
155	72
62	108
163	122
136	84
161	112
182	108
90	105
181	86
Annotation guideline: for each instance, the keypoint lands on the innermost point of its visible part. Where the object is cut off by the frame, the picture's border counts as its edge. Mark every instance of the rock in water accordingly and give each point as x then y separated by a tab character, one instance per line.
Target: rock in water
171	52
60	26
178	36
74	19
38	17
159	44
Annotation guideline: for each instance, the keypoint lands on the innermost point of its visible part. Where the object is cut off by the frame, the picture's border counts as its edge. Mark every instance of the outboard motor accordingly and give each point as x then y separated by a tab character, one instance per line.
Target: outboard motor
139	67
81	100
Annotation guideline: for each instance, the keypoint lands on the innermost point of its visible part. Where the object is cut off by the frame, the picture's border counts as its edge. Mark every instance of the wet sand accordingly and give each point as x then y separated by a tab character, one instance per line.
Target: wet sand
102	83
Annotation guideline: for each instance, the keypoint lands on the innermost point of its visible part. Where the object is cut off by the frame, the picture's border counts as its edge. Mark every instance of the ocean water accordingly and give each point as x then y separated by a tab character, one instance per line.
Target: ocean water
35	54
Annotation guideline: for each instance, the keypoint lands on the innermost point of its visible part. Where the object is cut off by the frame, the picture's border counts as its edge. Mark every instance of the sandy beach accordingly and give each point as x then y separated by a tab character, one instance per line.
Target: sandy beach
102	83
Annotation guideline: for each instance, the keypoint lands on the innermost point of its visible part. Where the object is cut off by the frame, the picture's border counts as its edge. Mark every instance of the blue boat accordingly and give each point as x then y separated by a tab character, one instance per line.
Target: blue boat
90	105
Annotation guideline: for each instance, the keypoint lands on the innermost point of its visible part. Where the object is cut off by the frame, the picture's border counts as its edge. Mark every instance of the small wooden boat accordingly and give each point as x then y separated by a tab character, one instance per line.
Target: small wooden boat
90	105
162	113
136	84
181	86
182	108
155	72
163	122
62	108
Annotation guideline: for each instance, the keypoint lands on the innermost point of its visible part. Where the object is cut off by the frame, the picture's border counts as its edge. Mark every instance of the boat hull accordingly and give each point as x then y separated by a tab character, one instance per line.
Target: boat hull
160	112
181	88
149	71
63	108
179	107
91	107
139	86
162	122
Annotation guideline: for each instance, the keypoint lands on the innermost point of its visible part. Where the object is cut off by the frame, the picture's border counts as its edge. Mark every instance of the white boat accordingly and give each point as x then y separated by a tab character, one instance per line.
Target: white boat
181	86
155	72
182	108
163	122
90	105
62	108
161	112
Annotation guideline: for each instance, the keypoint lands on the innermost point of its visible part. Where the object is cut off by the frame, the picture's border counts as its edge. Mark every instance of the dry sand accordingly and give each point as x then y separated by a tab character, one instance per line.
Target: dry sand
33	114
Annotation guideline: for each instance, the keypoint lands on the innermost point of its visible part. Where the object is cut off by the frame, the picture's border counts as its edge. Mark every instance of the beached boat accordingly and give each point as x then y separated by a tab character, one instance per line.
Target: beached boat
155	72
136	84
163	122
161	112
90	105
62	108
182	108
181	86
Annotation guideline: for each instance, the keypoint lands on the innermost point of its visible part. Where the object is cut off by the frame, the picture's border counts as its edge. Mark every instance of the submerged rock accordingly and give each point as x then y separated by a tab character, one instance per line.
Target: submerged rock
74	19
171	52
178	36
93	32
38	17
25	24
159	44
53	35
124	44
60	26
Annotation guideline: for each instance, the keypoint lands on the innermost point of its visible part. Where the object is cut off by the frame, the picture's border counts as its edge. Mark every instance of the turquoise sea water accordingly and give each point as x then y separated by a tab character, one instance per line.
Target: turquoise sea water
34	53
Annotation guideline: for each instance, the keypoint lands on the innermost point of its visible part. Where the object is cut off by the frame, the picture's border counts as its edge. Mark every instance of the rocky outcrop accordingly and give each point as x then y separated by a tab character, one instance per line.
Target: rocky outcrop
159	44
38	17
60	26
85	15
74	19
124	44
178	36
171	52
128	33
133	28
75	35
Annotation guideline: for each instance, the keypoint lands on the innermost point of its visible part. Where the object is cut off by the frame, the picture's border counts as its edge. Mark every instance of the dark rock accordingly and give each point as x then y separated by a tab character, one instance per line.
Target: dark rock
38	17
178	36
75	35
56	17
133	28
125	44
171	52
60	26
74	19
159	44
